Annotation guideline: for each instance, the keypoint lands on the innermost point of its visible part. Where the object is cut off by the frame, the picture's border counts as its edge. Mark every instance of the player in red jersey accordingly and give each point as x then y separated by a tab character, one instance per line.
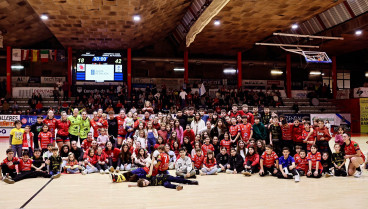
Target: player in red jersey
315	166
95	124
354	154
163	160
25	165
50	120
251	162
246	130
226	142
121	131
245	111
296	131
234	131
308	136
112	156
87	143
322	138
207	146
234	112
301	162
269	162
62	125
197	160
286	130
8	164
209	164
44	138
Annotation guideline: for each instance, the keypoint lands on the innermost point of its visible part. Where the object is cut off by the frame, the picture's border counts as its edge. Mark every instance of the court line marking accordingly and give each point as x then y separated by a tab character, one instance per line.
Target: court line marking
30	199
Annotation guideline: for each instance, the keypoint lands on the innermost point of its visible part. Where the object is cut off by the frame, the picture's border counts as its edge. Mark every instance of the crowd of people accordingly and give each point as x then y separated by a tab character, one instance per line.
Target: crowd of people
191	142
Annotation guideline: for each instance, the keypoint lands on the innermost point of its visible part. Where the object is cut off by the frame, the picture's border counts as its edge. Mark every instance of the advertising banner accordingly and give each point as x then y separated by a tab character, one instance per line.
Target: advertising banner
291	117
361	92
7	121
363	115
32	119
52	79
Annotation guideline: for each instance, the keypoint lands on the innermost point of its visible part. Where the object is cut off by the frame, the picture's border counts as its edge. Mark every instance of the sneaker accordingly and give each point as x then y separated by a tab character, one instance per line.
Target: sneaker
229	172
193	183
329	174
118	168
84	172
56	176
107	171
101	171
178	188
243	172
297	178
111	169
247	173
358	174
9	181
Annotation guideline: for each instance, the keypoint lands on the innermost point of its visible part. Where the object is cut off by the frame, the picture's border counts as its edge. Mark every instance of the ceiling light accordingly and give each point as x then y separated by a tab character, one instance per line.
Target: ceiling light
366	75
358	32
276	72
229	71
315	73
295	26
17	67
44	17
136	18
179	69
217	22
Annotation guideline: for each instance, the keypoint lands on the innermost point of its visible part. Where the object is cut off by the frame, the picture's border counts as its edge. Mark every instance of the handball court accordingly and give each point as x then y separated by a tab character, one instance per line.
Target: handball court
217	191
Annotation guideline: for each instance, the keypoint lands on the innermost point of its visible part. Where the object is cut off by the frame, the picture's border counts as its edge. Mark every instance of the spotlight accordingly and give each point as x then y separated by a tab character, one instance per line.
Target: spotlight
136	18
358	32
217	22
44	17
295	26
276	72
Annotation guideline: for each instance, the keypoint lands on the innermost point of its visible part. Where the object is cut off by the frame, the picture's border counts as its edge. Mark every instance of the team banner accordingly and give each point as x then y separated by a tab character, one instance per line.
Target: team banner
334	119
291	117
7	121
363	115
32	119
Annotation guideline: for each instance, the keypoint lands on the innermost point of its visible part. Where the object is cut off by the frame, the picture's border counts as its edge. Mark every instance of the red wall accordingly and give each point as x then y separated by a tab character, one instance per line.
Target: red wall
351	106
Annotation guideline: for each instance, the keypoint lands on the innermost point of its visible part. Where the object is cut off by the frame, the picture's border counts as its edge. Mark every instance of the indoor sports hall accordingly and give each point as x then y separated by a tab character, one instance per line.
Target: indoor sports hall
183	104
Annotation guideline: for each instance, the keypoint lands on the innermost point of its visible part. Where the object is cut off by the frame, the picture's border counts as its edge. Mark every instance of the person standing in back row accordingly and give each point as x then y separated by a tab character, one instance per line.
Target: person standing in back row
75	121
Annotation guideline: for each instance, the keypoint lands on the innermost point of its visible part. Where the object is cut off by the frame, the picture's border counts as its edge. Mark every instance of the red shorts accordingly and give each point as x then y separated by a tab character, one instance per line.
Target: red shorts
62	138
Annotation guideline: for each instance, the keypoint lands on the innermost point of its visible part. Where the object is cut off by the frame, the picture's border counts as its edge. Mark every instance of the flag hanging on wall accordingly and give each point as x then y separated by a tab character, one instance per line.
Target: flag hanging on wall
25	54
202	90
35	55
53	54
17	55
44	55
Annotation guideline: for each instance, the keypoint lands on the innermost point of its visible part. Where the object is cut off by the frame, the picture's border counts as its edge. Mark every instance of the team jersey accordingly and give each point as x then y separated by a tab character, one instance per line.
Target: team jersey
62	127
269	160
86	145
245	131
322	132
95	127
205	148
352	149
74	124
234	130
55	163
27	140
89	159
311	138
154	171
286	132
101	158
121	130
15	161
276	131
253	158
197	161
165	160
210	163
104	123
301	163
17	136
286	162
25	165
113	154
52	125
45	138
314	158
226	144
85	126
297	132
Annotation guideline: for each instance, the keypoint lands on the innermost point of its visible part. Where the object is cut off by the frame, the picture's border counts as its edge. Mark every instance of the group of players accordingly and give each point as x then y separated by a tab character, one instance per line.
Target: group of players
191	142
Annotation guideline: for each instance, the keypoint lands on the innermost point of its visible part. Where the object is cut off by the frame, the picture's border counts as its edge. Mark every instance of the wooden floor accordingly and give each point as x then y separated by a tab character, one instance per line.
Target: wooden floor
221	191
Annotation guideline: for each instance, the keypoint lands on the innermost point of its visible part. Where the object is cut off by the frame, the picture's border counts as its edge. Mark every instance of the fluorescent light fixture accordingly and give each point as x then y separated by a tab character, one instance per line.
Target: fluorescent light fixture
217	22
17	67
315	73
294	26
44	17
179	69
276	72
229	71
136	18
358	32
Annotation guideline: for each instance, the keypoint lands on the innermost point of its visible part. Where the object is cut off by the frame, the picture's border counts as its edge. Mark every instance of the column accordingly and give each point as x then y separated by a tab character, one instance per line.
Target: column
288	75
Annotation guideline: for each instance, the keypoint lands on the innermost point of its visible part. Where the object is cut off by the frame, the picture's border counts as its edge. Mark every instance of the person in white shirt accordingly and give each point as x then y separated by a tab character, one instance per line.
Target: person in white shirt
207	129
172	157
197	124
184	165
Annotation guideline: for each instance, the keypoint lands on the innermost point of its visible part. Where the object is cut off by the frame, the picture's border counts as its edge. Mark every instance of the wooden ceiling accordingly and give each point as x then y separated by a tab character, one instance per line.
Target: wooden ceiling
108	24
244	22
22	25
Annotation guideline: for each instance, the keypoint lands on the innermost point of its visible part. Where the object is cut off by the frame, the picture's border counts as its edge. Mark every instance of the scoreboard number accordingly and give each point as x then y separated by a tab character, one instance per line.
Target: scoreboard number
118	61
80	60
